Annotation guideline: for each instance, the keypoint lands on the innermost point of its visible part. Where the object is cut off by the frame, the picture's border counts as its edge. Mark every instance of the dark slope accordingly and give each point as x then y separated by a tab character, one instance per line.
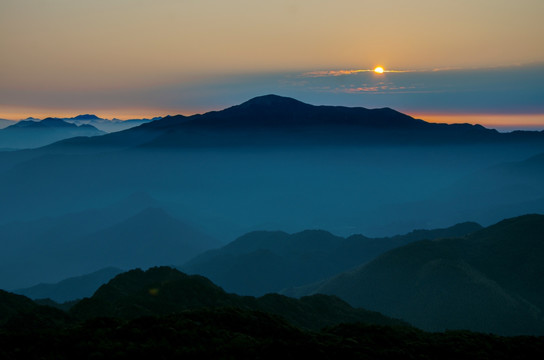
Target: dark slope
105	124
12	304
33	134
487	281
20	314
72	288
273	120
266	261
161	291
272	111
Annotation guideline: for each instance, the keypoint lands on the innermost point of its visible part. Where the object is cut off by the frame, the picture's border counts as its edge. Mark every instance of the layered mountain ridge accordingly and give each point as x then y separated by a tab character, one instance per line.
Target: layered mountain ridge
487	281
269	261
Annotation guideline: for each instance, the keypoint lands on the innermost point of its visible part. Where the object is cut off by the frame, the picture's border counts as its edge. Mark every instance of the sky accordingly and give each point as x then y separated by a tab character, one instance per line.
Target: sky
452	61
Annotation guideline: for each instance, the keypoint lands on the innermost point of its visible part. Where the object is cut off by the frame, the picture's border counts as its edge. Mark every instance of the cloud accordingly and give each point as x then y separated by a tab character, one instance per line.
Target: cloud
325	73
505	90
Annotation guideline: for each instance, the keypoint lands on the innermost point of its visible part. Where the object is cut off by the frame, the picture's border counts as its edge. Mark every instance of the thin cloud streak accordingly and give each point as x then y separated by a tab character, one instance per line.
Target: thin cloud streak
325	73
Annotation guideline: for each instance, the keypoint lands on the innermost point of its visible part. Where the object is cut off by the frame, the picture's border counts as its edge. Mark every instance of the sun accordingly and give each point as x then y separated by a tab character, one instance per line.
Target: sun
378	70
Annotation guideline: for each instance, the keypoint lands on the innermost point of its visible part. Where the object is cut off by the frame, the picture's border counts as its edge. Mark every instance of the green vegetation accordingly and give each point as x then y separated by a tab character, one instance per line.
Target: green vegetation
164	314
230	333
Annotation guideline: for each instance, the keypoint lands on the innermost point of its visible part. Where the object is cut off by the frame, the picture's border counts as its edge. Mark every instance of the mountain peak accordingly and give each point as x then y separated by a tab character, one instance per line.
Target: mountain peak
272	100
86	117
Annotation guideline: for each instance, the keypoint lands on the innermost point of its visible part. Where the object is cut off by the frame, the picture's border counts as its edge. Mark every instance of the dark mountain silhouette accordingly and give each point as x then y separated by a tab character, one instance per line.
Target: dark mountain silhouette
261	262
32	134
71	289
273	120
486	281
162	291
86	117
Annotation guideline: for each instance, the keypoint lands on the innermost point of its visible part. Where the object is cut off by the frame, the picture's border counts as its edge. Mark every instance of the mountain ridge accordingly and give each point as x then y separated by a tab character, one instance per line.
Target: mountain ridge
34	134
273	120
269	261
485	281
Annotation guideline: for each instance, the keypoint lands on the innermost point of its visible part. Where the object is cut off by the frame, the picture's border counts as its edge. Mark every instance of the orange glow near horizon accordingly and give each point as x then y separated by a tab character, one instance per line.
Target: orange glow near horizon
378	70
498	121
493	121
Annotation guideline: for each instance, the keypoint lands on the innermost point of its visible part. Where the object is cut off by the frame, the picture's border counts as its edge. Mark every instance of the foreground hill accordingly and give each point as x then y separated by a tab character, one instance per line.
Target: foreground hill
12	304
488	281
161	291
217	331
266	261
229	333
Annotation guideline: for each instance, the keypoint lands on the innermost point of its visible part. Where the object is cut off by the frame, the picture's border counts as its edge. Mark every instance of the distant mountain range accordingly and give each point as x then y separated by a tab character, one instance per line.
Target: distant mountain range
32	134
265	261
108	125
102	124
488	281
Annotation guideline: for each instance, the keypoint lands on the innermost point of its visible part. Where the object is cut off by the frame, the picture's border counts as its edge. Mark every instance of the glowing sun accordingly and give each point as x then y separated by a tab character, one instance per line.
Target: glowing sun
378	70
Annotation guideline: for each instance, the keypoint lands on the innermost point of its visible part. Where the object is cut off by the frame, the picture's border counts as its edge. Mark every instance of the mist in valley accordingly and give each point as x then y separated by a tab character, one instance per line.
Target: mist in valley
223	193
